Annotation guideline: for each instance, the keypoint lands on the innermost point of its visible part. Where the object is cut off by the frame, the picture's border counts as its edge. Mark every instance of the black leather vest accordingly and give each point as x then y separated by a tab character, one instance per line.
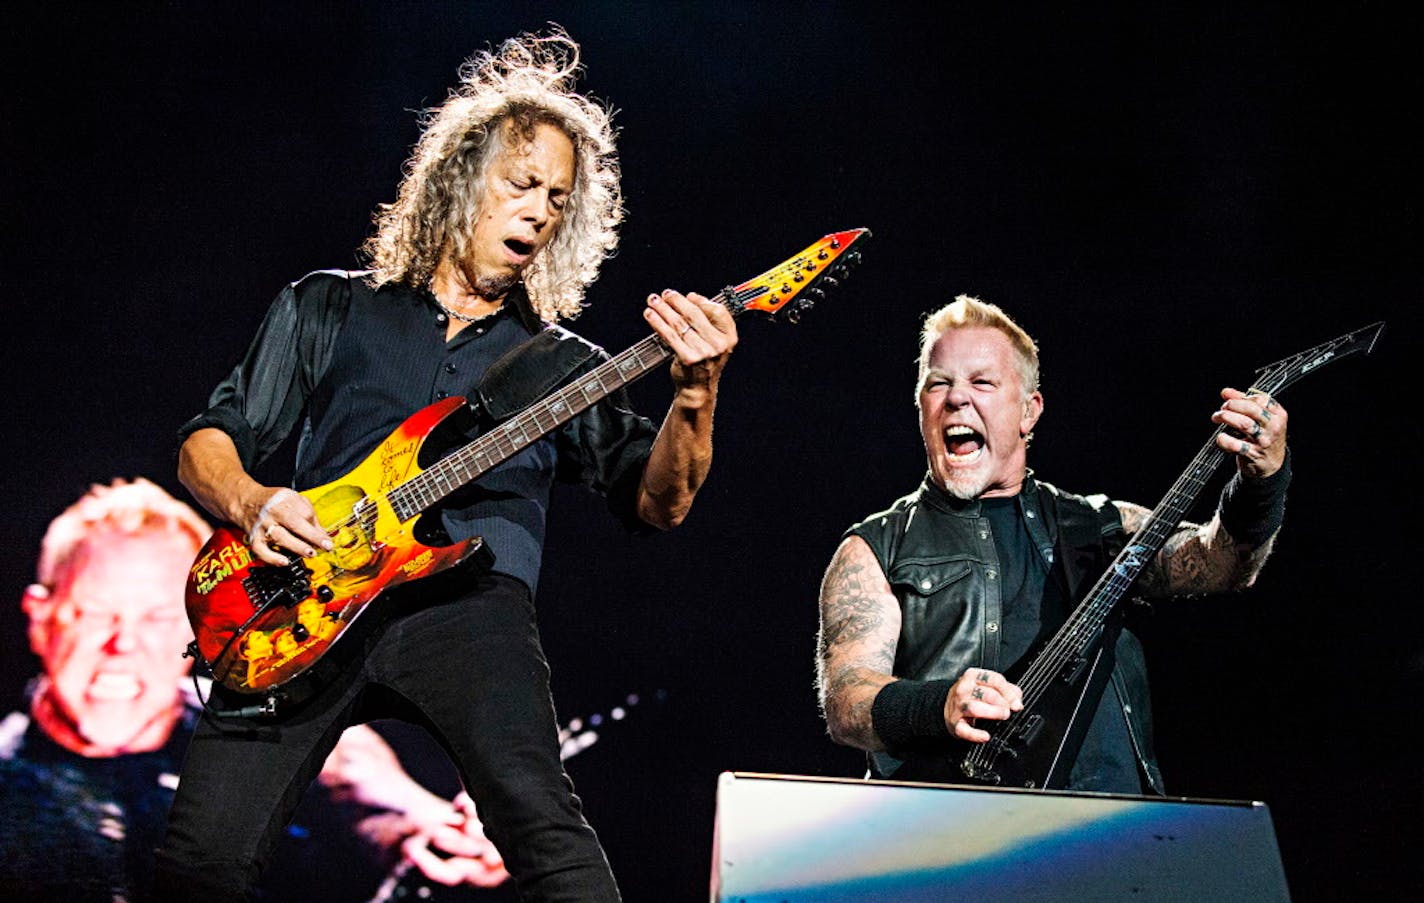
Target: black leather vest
938	555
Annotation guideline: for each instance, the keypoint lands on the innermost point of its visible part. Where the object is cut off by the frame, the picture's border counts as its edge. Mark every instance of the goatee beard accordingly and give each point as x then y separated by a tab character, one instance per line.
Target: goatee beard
966	488
965	493
490	288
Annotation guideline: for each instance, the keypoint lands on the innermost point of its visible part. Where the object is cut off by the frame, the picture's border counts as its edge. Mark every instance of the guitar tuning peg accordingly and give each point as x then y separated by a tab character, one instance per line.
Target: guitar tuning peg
805	304
793	314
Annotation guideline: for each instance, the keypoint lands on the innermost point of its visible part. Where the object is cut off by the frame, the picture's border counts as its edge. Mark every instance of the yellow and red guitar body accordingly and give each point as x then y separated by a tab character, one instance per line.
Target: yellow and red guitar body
259	625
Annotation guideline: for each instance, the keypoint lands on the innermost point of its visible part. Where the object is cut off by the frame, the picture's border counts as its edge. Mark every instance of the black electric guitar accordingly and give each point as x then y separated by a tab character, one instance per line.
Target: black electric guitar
1037	745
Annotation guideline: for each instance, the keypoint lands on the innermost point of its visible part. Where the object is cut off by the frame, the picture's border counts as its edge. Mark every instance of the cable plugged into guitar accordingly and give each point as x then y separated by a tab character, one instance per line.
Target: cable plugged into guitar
265	709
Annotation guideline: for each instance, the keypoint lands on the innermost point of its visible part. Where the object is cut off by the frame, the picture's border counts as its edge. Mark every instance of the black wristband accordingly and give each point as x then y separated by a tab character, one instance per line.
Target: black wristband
906	710
1253	510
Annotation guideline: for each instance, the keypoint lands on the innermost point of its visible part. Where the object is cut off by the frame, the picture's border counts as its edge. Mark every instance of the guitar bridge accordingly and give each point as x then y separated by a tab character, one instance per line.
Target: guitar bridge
273	585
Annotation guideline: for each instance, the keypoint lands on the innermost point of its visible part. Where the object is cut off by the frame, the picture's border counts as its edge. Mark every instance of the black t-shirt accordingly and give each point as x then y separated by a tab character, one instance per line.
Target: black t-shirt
1032	604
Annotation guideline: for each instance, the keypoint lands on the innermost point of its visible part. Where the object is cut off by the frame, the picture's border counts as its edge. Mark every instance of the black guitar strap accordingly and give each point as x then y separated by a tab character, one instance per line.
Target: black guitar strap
1086	539
530	370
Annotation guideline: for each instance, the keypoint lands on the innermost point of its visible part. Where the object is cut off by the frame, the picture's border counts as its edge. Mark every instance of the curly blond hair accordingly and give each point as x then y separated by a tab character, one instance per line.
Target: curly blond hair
503	96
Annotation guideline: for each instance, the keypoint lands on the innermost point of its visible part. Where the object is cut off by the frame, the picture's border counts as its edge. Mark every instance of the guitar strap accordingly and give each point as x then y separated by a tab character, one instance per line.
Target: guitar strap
530	370
1086	539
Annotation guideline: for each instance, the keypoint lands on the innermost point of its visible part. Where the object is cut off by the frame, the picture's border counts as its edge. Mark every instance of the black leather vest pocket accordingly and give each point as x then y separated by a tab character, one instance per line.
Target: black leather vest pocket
937	597
926	577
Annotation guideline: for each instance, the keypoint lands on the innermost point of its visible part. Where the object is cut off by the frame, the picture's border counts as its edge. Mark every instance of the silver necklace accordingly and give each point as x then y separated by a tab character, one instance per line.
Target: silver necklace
464	318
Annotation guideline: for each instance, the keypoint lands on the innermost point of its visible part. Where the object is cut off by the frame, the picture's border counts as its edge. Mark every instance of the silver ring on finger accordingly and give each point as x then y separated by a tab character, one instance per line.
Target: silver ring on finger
1256	430
684	330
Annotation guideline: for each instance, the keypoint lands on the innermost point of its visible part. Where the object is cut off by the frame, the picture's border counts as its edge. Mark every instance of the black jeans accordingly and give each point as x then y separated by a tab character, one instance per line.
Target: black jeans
466	664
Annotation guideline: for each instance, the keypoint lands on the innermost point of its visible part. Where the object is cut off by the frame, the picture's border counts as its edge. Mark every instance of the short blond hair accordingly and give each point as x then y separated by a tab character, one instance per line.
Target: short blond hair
968	312
127	507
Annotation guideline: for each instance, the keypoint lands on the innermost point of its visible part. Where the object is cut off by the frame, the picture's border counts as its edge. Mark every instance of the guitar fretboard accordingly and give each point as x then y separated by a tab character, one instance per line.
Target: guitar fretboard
820	265
528	426
1080	631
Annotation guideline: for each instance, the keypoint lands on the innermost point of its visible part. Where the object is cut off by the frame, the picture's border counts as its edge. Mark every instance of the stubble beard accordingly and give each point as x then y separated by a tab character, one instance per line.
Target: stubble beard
492	288
489	287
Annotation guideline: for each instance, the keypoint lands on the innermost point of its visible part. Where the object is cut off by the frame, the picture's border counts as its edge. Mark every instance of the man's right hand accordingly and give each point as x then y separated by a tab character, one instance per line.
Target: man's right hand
276	520
281	521
979	693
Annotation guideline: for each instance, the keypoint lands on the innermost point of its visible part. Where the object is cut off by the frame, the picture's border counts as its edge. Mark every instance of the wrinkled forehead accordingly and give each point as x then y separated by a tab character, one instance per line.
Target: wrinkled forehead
970	349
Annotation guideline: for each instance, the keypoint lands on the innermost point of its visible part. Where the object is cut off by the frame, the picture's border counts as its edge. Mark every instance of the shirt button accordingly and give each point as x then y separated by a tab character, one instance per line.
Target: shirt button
983	534
925	584
479	330
1028	514
992	573
441	319
449	368
992	627
442	394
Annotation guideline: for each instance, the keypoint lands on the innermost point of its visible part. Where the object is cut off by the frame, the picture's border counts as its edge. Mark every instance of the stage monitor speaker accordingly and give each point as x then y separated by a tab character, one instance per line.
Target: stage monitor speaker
789	839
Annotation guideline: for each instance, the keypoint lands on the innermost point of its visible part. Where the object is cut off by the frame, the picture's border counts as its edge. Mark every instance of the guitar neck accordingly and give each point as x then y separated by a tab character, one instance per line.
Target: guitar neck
1081	629
787	289
527	427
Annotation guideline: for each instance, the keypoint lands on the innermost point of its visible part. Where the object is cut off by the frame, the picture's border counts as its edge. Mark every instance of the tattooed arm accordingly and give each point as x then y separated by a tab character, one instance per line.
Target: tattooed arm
1209	558
1197	559
860	627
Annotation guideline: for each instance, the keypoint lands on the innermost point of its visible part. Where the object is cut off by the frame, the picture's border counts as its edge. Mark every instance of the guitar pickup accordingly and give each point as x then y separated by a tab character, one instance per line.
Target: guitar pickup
1072	670
1028	730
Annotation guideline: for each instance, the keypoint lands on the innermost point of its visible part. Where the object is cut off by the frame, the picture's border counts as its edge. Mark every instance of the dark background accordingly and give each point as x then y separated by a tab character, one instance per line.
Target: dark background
1165	198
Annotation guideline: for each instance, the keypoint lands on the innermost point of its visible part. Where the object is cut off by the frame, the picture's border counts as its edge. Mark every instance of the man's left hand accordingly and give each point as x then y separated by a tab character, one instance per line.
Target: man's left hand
1255	432
700	332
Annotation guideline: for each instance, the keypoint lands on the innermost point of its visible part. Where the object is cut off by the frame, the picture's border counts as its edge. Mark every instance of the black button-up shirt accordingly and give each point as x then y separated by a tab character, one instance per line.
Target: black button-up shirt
349	364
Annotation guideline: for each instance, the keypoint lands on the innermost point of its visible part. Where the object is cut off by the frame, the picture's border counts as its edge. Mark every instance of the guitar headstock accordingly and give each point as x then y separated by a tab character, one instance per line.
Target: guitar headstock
793	286
1274	377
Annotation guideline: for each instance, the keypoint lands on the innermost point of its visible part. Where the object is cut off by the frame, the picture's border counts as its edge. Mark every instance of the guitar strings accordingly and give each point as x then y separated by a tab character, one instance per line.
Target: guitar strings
1088	618
421	491
429	486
